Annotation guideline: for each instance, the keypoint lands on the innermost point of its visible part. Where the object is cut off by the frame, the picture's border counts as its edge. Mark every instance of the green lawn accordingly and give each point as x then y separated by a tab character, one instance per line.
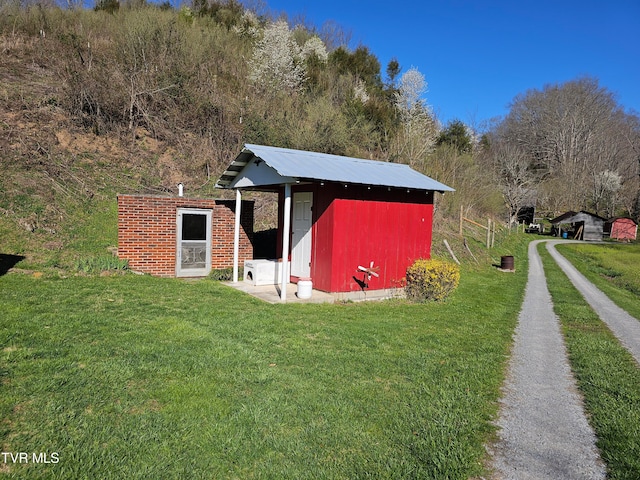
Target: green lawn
139	377
607	375
613	267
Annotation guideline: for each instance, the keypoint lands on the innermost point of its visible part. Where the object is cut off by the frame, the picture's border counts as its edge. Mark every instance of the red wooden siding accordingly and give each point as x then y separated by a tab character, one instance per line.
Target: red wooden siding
355	225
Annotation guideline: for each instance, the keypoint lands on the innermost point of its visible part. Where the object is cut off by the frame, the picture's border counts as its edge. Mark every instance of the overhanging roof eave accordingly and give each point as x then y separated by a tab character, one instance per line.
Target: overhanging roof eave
287	166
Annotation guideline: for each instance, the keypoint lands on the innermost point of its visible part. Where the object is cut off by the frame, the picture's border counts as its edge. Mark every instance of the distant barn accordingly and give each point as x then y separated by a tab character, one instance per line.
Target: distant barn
621	228
579	226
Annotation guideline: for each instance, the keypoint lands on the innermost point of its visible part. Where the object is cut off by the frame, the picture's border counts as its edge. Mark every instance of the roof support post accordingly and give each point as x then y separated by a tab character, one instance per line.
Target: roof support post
236	236
286	232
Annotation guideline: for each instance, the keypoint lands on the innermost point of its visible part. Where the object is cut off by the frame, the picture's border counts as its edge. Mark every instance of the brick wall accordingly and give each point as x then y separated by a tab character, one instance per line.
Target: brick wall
147	231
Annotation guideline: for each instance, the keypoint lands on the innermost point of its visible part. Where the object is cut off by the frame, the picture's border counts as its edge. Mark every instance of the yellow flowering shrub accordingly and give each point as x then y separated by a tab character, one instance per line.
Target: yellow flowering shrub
431	280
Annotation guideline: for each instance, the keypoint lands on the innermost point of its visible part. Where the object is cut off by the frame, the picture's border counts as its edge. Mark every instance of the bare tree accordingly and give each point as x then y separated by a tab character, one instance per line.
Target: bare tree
146	49
572	136
517	181
334	35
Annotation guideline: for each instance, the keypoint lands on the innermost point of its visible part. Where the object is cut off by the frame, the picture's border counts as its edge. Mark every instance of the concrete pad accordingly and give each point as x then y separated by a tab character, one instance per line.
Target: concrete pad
271	293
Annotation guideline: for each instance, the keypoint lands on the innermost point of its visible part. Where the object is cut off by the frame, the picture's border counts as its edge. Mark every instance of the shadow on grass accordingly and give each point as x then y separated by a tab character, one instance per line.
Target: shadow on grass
8	261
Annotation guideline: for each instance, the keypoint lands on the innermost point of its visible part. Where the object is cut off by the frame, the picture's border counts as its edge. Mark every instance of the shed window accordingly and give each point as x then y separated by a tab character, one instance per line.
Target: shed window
194	226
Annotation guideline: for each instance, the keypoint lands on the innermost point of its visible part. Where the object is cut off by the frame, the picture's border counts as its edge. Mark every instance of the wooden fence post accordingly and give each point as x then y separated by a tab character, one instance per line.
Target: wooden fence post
493	234
489	233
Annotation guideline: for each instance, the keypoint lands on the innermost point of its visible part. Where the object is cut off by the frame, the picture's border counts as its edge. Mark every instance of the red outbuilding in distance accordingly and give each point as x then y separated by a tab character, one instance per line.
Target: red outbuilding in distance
621	228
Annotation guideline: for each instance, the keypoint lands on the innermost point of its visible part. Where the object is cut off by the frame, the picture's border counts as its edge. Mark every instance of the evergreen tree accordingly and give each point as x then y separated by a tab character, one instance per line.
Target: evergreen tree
457	136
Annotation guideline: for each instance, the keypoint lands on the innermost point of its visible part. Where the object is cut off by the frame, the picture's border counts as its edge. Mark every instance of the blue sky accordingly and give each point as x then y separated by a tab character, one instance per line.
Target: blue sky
476	56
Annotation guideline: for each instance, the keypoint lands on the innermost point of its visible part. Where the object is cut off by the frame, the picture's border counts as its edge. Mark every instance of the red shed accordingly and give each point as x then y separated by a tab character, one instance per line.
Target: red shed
348	224
621	228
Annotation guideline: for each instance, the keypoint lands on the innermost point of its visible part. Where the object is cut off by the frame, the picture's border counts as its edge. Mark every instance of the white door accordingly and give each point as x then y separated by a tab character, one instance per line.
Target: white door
301	234
193	252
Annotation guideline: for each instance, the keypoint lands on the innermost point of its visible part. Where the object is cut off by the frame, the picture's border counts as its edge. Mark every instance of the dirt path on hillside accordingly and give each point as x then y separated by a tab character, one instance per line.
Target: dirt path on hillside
625	327
544	433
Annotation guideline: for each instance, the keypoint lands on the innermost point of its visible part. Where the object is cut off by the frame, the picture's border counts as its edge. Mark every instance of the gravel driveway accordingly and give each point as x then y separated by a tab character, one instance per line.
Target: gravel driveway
544	433
625	327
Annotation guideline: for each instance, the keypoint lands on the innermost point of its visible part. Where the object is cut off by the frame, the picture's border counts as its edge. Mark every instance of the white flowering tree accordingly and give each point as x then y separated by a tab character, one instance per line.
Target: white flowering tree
276	63
418	128
360	90
409	101
315	46
606	185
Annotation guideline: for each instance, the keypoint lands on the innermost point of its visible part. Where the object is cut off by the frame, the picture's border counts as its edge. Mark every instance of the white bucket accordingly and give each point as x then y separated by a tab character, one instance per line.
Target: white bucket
305	286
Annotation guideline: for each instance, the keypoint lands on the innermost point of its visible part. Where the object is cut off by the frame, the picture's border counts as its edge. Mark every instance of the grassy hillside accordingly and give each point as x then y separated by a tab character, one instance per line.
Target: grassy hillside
60	179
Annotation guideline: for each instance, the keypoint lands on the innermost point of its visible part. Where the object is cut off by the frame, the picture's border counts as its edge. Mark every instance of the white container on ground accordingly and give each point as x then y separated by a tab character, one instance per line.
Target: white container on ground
305	287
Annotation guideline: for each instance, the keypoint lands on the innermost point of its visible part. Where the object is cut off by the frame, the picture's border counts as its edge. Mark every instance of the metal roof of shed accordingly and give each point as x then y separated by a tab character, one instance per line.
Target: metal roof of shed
285	165
574	217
